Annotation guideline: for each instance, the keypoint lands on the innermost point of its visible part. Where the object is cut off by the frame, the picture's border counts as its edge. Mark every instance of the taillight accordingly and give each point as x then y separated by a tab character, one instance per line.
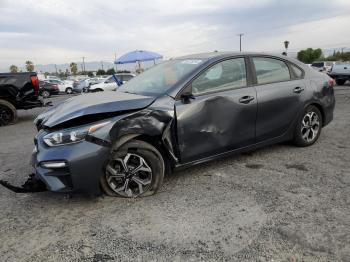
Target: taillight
35	83
330	83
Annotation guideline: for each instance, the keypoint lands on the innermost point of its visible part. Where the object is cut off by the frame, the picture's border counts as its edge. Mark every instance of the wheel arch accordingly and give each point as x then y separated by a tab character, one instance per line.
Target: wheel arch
320	108
155	140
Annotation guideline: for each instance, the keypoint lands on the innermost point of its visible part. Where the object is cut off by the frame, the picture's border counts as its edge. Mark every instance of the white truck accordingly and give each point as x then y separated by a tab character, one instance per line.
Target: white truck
340	73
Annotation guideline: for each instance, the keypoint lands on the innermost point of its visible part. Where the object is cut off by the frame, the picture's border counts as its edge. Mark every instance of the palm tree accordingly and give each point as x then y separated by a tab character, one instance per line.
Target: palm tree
73	68
13	69
29	66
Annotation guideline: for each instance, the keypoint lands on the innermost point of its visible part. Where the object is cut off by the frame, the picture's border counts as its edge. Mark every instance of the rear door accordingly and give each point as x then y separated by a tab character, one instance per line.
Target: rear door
280	94
221	115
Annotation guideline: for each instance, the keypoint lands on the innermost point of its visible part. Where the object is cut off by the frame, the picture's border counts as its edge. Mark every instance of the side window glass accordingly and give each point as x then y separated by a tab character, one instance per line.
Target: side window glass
227	74
297	72
270	70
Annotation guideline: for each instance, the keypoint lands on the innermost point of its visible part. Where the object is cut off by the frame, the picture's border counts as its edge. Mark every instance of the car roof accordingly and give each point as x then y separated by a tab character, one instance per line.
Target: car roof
210	55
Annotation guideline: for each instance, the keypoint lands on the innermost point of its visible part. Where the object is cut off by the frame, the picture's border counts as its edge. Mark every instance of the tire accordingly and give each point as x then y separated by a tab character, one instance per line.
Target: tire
135	154
8	113
45	94
308	127
340	82
69	90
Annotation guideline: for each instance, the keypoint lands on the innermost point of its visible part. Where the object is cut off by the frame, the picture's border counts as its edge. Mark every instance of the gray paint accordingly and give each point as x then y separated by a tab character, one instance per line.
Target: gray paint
191	131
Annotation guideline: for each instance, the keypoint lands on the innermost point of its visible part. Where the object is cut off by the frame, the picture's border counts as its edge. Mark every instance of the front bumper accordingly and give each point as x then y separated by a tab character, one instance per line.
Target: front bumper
84	161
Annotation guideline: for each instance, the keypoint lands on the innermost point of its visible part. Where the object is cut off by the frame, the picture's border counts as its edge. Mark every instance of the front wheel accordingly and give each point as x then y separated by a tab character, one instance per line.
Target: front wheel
308	128
136	169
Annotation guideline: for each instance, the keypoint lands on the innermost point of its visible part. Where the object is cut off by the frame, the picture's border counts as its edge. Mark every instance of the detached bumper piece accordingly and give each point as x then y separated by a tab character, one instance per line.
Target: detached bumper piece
32	185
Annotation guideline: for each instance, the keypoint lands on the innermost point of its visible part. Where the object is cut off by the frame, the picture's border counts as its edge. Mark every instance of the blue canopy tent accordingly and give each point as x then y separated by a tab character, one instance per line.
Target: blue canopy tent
137	56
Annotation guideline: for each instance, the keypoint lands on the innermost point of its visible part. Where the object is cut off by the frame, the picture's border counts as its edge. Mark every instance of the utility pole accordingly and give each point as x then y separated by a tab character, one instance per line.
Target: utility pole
102	64
83	65
240	41
56	68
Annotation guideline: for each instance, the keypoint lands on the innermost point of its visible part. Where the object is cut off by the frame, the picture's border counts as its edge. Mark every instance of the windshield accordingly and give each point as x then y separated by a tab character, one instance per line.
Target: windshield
158	79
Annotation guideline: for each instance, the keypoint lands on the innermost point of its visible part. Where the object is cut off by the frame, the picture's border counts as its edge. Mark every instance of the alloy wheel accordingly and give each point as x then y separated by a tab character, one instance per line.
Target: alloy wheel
6	116
310	126
129	176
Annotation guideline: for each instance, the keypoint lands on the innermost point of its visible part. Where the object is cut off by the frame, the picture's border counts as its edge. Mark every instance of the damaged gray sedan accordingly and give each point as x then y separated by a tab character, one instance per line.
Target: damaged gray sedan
179	113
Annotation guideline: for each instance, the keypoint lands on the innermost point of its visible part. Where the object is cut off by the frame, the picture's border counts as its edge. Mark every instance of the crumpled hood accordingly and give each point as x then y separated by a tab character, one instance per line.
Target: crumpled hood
93	103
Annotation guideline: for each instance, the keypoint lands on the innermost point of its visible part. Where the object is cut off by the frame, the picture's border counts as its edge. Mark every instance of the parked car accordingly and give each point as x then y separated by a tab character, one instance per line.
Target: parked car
64	87
108	84
323	66
124	77
340	73
179	113
17	91
68	83
47	89
81	86
75	83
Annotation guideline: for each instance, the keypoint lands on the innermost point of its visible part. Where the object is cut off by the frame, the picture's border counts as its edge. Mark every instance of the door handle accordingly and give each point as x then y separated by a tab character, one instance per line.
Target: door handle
246	99
298	90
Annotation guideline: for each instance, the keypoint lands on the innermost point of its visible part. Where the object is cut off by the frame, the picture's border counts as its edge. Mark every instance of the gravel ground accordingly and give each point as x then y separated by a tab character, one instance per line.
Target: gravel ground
279	203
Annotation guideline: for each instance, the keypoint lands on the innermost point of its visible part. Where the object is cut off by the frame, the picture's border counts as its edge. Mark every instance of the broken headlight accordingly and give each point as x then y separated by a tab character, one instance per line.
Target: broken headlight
72	135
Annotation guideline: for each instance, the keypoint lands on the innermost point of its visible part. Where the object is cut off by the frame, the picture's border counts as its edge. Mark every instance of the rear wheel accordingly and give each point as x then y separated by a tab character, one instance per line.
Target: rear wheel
8	113
69	90
136	169
308	128
340	82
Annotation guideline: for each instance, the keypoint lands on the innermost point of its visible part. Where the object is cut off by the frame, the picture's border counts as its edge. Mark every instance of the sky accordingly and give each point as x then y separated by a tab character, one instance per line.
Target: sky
60	31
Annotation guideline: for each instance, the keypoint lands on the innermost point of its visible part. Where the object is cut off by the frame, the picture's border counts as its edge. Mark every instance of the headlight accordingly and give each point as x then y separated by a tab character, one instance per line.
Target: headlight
72	135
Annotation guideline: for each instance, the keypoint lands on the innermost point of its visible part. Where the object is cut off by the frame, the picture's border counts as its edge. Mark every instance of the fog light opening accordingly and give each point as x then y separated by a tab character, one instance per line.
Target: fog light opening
55	164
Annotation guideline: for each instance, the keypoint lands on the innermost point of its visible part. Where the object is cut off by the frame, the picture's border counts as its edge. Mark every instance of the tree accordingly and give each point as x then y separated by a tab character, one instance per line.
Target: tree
13	69
110	71
100	72
309	55
29	66
339	56
90	74
73	68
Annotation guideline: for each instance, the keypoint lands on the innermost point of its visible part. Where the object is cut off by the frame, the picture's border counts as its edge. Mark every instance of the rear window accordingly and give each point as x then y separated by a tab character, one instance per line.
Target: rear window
297	72
270	70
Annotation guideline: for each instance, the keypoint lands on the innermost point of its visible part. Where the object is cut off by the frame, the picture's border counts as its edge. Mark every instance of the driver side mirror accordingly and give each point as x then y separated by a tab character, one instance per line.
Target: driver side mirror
186	97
